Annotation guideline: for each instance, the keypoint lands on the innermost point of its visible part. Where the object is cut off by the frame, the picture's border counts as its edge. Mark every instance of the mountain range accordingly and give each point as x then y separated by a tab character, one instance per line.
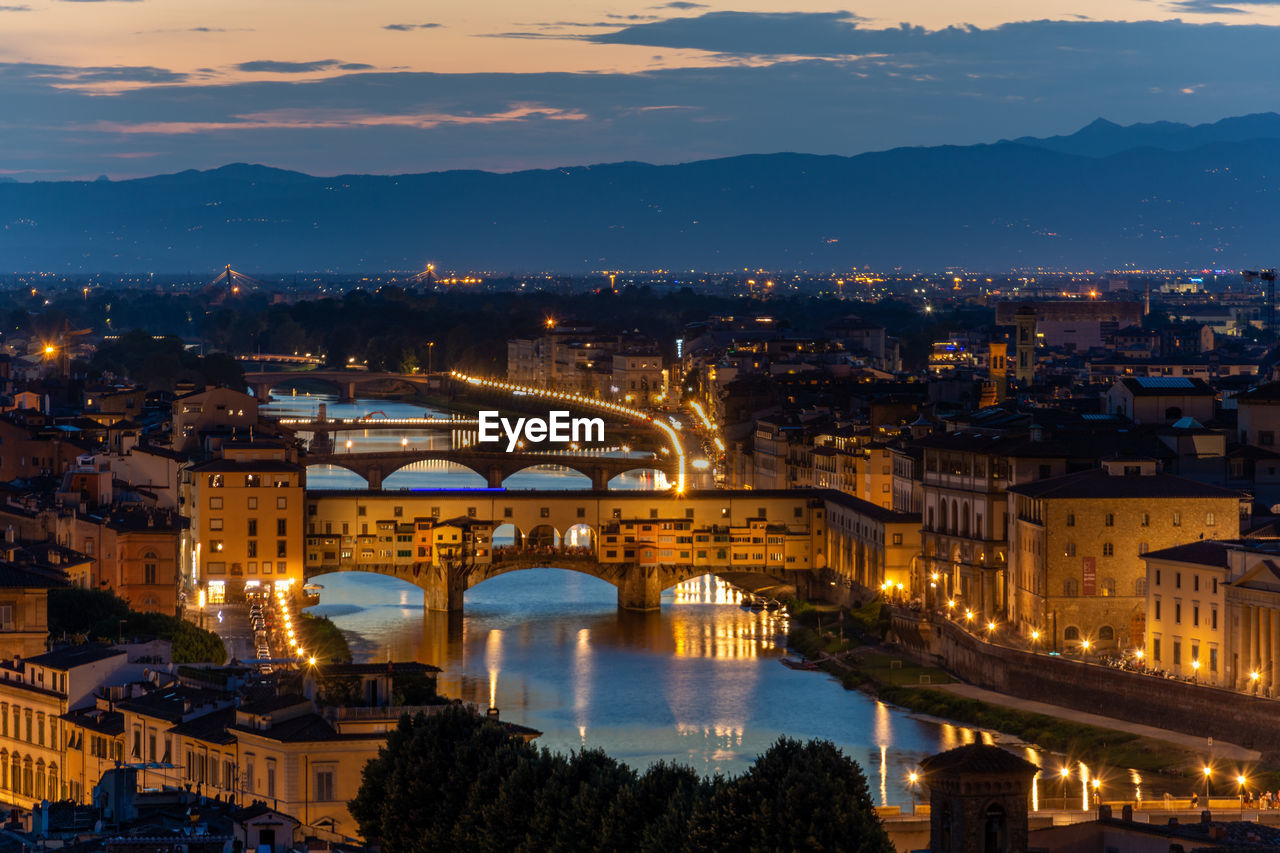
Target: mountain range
1162	195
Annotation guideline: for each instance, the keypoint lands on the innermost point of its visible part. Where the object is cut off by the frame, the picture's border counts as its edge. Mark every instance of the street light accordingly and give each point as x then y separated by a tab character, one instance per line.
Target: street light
1240	780
1084	645
911	780
1207	774
1064	773
1097	790
1195	668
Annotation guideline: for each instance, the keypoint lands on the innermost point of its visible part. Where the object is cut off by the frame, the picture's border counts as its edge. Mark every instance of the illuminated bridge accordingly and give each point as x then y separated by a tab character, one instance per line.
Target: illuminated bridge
443	541
494	466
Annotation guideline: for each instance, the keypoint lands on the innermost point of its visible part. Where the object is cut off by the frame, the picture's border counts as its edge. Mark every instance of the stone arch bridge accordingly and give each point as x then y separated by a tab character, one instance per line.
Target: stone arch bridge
343	525
348	383
494	466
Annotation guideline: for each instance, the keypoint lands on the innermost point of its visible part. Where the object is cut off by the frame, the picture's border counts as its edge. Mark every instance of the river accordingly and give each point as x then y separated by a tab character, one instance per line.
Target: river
698	682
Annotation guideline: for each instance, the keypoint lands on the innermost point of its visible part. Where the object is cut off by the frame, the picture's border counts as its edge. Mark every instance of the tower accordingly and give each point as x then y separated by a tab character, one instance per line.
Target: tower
1024	319
998	368
977	799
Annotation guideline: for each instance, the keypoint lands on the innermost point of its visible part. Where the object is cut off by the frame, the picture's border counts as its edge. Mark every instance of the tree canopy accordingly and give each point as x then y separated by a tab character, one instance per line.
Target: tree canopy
457	781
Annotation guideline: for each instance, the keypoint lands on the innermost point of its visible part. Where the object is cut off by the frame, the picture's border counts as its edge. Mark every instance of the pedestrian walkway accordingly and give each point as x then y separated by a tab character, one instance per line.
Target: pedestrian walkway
1220	749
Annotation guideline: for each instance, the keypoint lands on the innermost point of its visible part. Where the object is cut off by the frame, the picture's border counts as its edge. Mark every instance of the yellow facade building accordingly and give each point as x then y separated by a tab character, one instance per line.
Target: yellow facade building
246	519
1076	543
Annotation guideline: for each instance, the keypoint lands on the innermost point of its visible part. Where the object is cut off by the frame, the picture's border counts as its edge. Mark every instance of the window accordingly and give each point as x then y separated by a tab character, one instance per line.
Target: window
1110	520
271	777
1157	608
1213	619
1155	649
1070	550
252	502
897	539
1071	519
1158	578
1195	619
1177	580
324	785
215	546
215	481
252	546
1177	652
1071	634
396	512
1140	586
215	524
253	527
1142	548
1177	614
1213	658
1177	522
215	503
282	527
1266	437
1146	519
6	617
253	481
282	548
1108	550
1106	632
1071	587
282	502
1210	519
149	573
1195	582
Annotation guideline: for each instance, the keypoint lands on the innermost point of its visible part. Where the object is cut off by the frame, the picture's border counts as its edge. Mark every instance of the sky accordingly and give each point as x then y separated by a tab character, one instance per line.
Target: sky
128	88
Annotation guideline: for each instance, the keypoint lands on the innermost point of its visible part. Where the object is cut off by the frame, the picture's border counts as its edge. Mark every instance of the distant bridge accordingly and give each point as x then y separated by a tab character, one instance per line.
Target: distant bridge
493	466
358	424
348	384
280	358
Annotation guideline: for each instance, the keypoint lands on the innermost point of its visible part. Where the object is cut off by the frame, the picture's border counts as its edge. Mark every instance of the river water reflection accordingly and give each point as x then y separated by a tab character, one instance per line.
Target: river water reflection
698	682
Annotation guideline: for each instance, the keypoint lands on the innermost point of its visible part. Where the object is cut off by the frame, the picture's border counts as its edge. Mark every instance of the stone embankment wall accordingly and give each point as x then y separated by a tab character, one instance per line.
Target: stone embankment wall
1180	706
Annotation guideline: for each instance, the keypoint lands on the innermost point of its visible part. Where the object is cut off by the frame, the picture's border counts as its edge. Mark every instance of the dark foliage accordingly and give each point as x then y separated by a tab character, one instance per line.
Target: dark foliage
455	781
97	615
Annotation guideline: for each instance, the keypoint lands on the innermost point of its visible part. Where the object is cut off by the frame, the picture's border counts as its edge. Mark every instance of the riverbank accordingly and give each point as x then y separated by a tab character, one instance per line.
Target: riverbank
1163	758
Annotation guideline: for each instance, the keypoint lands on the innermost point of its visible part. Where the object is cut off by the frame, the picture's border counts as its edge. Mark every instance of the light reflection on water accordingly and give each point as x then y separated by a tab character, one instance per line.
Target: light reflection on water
698	682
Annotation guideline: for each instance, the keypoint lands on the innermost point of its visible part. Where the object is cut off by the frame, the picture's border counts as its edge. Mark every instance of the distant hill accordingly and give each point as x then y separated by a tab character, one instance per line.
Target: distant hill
1102	138
1158	195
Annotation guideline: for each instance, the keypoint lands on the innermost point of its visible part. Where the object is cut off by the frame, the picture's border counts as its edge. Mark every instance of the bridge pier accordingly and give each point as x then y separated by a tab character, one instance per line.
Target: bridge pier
374	476
640	589
495	477
599	478
442	590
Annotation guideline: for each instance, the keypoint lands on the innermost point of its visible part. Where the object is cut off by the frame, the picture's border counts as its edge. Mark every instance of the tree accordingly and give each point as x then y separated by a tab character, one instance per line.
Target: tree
421	791
797	796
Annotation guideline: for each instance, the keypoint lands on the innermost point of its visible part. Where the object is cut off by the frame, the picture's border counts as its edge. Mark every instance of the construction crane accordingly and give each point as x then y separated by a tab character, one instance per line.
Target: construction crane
1269	277
58	348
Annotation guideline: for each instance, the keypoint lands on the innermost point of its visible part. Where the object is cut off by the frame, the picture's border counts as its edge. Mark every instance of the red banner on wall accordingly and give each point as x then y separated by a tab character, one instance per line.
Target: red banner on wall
1090	576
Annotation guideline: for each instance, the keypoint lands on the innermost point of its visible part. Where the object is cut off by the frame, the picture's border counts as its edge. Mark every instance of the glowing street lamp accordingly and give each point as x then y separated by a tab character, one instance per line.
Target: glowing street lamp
1097	787
1240	781
1207	773
1064	774
912	777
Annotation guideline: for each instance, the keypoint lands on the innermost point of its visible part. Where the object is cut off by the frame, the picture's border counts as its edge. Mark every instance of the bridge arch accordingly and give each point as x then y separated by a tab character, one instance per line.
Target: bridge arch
640	477
300	385
434	474
572	476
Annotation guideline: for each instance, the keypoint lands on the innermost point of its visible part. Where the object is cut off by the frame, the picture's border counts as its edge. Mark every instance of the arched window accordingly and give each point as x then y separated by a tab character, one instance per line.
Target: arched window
1140	586
1071	587
15	773
1071	634
55	792
1106	632
4	768
28	777
995	834
149	569
1107	586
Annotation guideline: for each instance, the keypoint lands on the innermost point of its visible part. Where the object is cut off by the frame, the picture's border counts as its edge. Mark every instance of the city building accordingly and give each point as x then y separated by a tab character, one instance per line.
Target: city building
1076	543
245	508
